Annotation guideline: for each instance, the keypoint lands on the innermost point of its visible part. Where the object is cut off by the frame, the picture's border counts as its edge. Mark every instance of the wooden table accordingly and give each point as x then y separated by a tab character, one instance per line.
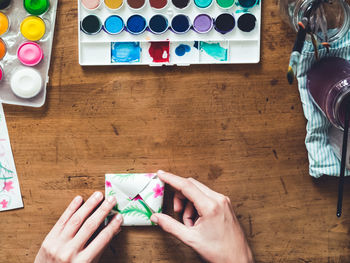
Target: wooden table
237	128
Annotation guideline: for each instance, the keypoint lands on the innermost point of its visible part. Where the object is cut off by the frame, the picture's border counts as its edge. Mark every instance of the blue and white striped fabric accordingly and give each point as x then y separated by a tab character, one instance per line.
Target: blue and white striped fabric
322	160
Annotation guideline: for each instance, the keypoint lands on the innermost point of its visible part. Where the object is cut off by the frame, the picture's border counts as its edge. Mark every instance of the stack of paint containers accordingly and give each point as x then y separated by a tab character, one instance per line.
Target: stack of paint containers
158	32
26	34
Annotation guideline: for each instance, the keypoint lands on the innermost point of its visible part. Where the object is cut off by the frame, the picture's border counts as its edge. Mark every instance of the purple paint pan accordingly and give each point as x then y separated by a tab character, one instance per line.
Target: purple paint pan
203	23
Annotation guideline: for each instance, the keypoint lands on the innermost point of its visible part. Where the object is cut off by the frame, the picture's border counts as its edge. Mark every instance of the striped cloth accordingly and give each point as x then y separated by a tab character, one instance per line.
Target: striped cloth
322	160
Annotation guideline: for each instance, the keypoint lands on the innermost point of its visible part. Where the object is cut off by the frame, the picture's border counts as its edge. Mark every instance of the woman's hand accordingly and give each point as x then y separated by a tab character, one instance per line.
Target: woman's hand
67	240
209	224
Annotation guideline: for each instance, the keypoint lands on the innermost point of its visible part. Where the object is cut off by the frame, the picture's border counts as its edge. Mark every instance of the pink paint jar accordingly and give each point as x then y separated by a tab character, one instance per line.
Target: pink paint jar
30	54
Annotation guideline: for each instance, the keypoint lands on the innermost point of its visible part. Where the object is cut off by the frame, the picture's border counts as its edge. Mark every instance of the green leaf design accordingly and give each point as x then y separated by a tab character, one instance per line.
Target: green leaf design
123	177
159	210
111	193
149	212
134	210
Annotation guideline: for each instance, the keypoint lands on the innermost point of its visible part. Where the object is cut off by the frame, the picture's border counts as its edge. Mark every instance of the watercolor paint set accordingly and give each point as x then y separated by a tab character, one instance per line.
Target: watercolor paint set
168	32
26	35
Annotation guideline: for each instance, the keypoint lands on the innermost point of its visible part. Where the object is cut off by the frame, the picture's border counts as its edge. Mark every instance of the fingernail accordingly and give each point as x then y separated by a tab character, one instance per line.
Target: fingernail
77	199
154	219
119	217
98	195
111	199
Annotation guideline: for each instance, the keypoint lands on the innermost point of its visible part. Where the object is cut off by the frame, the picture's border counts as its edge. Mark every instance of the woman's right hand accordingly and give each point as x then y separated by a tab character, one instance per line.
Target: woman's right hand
209	224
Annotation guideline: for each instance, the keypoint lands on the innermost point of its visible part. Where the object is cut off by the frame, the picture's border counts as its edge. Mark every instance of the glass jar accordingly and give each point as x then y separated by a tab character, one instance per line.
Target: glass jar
337	14
328	83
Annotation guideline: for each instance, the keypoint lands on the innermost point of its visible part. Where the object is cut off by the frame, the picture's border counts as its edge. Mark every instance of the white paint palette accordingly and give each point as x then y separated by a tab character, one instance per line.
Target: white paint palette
108	36
28	43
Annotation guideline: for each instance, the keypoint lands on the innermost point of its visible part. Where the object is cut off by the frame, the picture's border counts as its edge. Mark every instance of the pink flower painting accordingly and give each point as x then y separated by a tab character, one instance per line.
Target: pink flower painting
138	197
4	203
108	184
8	186
158	191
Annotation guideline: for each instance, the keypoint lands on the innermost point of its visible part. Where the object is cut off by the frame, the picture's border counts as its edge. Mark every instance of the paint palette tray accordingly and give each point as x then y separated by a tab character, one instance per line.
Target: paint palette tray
26	35
168	32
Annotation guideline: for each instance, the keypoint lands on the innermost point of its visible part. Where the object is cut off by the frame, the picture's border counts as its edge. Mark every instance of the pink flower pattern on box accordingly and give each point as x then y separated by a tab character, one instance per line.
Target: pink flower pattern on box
4	203
158	191
8	186
108	184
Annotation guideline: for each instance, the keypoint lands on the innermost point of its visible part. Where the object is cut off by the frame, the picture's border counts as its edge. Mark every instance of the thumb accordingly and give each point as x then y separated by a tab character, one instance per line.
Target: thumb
172	226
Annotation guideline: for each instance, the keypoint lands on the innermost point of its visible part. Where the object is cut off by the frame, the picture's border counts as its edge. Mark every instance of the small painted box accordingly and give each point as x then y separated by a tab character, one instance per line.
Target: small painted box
138	196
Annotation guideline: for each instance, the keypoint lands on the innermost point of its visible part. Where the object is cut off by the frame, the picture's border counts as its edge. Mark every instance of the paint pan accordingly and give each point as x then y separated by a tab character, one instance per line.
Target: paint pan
225	4
181	4
30	54
158	4
37	7
247	3
3	49
113	4
136	4
203	3
4	23
203	23
91	25
180	24
158	24
159	51
26	83
136	24
91	5
33	28
125	52
225	23
246	22
114	25
4	4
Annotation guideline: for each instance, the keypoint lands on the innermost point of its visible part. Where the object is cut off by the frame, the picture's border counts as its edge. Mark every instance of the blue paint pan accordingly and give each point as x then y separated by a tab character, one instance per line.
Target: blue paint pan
136	24
180	24
158	24
113	25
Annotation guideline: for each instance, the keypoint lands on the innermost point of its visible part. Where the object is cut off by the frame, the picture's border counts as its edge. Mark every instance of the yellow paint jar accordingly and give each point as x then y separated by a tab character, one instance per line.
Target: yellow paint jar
113	4
33	28
4	23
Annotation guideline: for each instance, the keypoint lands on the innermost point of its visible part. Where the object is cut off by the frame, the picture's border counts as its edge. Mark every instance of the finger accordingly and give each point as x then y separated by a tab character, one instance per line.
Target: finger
173	227
179	200
93	222
103	238
188	214
79	217
200	200
67	214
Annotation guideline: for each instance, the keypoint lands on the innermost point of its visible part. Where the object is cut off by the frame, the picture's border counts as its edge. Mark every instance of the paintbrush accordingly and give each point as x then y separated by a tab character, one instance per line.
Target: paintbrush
343	159
295	56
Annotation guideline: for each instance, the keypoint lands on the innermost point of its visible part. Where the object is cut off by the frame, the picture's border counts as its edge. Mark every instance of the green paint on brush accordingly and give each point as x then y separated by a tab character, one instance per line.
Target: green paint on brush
214	50
225	3
36	7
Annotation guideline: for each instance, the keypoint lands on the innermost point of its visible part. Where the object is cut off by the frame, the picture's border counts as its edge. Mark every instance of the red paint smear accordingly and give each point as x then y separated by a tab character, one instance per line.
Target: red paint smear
157	51
158	3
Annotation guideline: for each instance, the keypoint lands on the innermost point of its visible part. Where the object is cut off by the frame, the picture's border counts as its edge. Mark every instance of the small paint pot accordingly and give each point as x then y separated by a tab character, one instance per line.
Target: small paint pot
114	25
113	5
4	4
91	25
30	54
91	5
136	24
158	24
180	24
203	23
3	49
158	4
26	83
1	73
203	4
4	23
33	28
246	22
37	7
136	4
247	3
225	4
181	4
224	23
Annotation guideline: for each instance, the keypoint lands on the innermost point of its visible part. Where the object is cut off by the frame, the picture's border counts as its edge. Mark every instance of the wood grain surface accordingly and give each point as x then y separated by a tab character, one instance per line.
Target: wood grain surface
239	129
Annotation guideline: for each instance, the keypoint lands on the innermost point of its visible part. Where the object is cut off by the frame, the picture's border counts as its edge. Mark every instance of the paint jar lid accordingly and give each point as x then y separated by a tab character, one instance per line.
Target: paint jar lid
30	54
3	49
114	25
4	23
203	23
91	4
136	24
37	7
91	25
4	4
26	83
1	73
33	28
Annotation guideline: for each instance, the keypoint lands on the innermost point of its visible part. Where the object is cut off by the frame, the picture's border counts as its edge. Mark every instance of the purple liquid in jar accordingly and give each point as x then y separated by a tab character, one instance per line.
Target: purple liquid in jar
328	83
